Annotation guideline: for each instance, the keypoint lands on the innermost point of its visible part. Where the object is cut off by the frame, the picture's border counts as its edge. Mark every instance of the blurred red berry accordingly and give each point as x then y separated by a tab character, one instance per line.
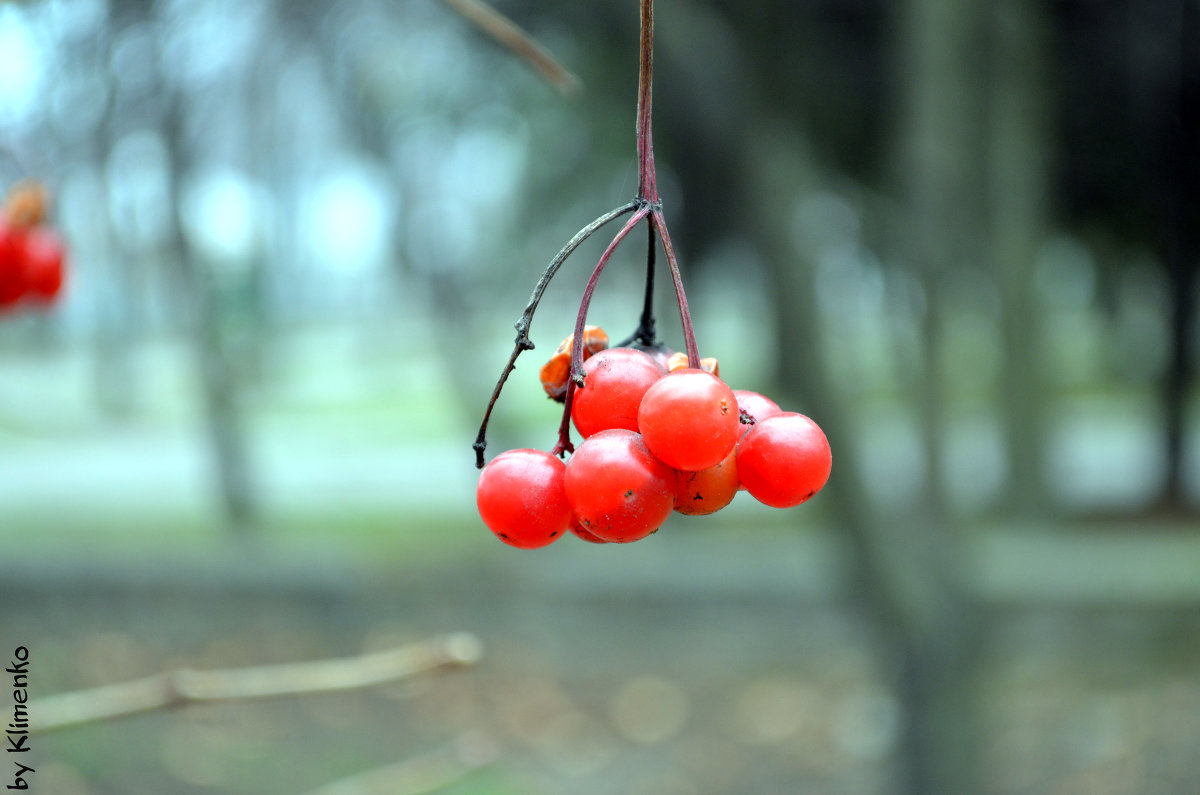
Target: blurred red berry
43	254
12	269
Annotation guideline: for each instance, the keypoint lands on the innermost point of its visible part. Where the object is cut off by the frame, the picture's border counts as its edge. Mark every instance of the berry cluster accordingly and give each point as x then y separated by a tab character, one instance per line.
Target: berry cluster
31	254
656	439
661	431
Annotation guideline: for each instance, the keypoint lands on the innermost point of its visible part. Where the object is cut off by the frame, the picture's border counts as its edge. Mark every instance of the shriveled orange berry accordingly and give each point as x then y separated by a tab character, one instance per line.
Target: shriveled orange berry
679	361
556	372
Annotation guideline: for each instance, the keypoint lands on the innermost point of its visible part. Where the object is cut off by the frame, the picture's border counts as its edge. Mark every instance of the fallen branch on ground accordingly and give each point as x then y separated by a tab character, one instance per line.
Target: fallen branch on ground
182	687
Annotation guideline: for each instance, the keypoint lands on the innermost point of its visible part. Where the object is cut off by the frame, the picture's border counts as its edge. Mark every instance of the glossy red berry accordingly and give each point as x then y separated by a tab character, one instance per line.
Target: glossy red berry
617	489
689	419
43	255
614	382
522	498
784	460
709	490
757	405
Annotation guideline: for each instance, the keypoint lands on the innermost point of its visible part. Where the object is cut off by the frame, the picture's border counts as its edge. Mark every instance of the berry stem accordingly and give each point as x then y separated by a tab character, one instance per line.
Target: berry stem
647	180
523	343
647	183
576	377
646	333
685	316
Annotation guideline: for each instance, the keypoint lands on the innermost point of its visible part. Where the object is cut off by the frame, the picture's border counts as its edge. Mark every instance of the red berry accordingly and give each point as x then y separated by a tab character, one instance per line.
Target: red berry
617	489
689	419
12	269
522	499
784	460
614	382
709	490
43	254
757	405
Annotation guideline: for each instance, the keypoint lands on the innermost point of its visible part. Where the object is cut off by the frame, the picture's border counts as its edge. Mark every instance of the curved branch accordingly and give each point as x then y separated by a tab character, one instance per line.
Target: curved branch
576	375
523	343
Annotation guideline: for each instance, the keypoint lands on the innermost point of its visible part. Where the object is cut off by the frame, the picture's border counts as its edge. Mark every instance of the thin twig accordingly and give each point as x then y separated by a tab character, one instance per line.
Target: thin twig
183	687
523	343
510	35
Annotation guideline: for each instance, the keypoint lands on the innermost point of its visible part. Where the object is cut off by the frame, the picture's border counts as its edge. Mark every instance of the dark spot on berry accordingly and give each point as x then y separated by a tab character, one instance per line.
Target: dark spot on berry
504	536
724	406
629	494
552	535
810	493
744	417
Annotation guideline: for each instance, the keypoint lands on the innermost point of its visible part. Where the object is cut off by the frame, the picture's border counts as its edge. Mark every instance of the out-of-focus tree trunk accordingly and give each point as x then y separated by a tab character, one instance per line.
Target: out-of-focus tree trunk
1018	191
1177	178
115	373
904	569
226	426
941	159
941	169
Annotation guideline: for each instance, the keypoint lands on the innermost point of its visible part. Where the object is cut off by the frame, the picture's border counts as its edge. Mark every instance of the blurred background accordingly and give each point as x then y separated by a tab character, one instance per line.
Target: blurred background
963	237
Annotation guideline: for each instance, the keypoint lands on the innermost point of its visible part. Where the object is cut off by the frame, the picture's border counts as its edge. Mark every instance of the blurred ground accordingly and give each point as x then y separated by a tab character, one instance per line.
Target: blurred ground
659	669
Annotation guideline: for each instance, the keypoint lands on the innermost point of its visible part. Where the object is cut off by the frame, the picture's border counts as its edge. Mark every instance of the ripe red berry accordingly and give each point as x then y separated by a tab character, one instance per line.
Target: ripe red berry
784	460
43	254
757	405
614	382
709	490
522	499
617	489
689	419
